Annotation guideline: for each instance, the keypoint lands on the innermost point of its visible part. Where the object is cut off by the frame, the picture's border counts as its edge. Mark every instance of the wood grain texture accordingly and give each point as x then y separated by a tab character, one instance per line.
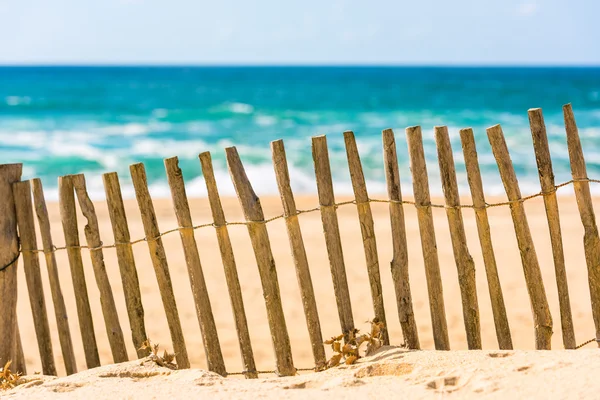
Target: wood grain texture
367	229
298	252
485	239
60	310
159	262
591	241
266	264
33	275
428	242
399	263
230	267
531	267
331	231
127	268
9	250
546	174
464	262
208	329
107	300
68	216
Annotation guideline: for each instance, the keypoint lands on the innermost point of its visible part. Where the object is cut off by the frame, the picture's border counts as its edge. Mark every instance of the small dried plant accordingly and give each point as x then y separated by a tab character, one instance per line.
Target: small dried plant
349	352
8	379
167	359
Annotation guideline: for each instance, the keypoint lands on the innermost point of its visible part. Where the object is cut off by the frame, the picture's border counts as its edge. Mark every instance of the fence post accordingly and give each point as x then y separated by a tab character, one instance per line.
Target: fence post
107	300
544	163
9	253
265	262
298	252
60	310
367	229
399	264
464	262
485	239
33	276
129	276
159	262
531	266
229	265
591	241
208	329
68	216
331	230
428	242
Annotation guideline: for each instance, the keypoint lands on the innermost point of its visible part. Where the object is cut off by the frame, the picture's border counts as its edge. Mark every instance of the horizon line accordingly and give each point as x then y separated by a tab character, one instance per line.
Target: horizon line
294	65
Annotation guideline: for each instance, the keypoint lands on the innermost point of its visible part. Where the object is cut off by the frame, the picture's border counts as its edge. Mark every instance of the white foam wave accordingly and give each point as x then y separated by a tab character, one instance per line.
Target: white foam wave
17	100
240	108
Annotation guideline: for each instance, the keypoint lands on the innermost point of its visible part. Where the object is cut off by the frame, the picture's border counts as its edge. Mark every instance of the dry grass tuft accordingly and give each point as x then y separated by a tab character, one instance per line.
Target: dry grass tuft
349	352
8	379
167	360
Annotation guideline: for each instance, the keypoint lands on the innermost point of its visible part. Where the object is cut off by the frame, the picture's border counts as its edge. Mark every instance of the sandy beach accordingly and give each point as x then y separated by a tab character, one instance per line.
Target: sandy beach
509	265
388	374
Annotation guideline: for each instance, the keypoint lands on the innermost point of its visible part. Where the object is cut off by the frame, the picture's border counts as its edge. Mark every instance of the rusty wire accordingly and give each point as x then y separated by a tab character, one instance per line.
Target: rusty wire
299	212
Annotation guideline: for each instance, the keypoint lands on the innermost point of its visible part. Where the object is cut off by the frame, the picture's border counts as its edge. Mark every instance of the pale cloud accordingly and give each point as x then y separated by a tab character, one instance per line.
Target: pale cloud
527	9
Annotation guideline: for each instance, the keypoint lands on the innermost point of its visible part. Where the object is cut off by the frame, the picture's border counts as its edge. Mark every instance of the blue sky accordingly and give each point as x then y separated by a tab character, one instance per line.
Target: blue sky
552	32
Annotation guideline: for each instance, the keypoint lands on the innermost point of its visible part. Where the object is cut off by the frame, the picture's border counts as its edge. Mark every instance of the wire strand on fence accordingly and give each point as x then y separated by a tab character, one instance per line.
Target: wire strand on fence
299	212
14	260
269	372
587	342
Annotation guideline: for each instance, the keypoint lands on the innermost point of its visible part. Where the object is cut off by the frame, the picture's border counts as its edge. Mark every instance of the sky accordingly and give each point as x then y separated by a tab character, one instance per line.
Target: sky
449	32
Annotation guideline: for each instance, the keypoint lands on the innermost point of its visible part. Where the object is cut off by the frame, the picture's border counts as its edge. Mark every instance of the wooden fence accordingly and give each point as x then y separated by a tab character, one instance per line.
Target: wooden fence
21	202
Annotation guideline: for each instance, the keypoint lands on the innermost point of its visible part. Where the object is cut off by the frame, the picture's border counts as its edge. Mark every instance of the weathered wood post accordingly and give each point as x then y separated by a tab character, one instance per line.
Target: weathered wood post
485	239
399	263
9	254
591	239
33	275
266	264
428	242
464	262
531	265
544	163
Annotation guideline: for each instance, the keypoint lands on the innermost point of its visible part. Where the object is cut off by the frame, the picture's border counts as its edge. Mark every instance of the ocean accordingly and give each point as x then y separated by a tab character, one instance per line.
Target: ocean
66	120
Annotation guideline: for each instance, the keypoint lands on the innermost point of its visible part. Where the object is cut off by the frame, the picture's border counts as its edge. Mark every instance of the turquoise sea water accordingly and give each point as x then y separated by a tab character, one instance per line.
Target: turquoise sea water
64	120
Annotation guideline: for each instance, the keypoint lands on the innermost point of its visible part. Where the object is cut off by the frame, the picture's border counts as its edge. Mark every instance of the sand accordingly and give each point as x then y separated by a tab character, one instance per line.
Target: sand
509	265
390	373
